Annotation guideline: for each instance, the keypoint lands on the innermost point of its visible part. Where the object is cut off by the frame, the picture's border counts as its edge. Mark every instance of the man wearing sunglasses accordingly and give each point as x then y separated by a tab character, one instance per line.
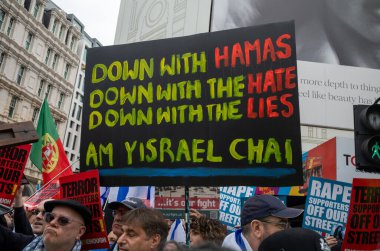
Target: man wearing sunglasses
66	222
119	209
261	216
35	224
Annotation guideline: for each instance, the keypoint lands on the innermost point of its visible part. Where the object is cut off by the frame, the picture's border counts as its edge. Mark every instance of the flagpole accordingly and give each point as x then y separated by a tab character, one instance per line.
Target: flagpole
187	215
51	180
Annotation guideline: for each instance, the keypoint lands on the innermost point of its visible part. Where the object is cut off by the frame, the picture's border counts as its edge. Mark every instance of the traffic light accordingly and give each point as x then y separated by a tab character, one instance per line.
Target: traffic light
367	137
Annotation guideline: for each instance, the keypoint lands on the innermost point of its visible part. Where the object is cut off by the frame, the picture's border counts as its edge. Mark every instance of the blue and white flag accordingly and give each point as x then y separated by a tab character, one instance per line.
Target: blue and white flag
177	232
146	193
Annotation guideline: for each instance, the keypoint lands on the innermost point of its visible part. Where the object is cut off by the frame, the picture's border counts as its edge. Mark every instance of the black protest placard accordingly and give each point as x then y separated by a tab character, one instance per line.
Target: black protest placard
211	109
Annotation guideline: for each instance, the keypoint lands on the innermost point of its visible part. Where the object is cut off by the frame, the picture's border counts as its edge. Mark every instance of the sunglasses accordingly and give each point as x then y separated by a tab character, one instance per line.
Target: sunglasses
36	212
61	220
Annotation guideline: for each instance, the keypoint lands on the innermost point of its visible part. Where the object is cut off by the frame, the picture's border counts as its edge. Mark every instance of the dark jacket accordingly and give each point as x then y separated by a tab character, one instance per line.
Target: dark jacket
13	241
21	221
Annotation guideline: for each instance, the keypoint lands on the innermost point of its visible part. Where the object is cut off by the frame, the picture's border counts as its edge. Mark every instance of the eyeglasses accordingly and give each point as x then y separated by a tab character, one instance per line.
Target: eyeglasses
119	211
280	224
62	220
36	212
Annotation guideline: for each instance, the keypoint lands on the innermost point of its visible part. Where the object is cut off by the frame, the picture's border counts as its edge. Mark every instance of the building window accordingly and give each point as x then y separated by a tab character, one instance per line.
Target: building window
54	26
35	114
74	142
67	71
73	113
79	113
36	9
67	37
12	106
48	53
72	156
27	4
61	32
41	88
60	100
79	81
68	139
71	124
20	74
85	53
2	59
10	26
48	91
28	41
2	17
55	61
77	128
72	43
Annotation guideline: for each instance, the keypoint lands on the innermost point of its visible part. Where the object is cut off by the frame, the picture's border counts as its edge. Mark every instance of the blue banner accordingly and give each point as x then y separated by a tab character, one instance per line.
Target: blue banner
327	205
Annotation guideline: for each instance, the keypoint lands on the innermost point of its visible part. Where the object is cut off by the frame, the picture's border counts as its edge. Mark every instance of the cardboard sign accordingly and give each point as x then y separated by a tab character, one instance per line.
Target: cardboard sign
230	204
12	164
363	224
48	191
327	205
212	109
84	187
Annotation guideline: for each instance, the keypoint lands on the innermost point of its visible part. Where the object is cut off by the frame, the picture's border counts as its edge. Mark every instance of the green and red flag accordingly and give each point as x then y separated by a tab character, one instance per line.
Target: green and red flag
48	154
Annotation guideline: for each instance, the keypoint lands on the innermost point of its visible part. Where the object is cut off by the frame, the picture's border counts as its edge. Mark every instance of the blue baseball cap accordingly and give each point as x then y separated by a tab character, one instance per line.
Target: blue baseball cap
263	205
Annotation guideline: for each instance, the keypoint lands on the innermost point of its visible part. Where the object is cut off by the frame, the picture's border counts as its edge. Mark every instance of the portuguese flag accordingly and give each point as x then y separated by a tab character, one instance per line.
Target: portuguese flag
48	154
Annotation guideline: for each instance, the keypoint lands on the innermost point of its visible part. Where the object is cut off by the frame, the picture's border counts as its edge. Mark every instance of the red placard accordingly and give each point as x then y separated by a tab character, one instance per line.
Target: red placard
12	164
84	187
363	224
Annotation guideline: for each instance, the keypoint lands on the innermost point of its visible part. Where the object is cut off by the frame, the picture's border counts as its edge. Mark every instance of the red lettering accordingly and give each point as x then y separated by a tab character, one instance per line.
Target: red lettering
272	107
287	52
269	82
269	49
252	84
248	47
237	53
290	76
224	57
284	100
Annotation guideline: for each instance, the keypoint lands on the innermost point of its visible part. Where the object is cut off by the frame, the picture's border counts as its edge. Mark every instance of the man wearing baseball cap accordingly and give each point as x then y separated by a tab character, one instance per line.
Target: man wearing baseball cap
66	222
119	209
261	216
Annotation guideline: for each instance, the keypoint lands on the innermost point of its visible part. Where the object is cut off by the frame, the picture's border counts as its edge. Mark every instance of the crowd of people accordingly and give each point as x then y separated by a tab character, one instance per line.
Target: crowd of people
57	225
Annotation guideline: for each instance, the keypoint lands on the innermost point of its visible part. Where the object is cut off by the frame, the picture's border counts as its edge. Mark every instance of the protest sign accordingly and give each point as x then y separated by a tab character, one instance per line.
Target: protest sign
84	187
327	205
230	204
48	191
198	110
12	164
363	224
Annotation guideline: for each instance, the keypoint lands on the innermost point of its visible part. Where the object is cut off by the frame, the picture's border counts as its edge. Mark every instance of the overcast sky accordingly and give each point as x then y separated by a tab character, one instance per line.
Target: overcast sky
98	16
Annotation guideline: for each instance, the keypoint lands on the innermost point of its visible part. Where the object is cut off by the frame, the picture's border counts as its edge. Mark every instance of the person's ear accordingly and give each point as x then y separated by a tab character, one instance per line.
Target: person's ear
257	229
82	230
156	239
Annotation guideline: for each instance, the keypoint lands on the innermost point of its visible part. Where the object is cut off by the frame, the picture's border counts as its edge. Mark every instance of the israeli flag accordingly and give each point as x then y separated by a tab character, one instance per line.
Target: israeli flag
146	193
177	232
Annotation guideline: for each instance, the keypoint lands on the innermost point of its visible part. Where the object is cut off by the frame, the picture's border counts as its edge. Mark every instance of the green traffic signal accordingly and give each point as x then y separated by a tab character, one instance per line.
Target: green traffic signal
367	136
